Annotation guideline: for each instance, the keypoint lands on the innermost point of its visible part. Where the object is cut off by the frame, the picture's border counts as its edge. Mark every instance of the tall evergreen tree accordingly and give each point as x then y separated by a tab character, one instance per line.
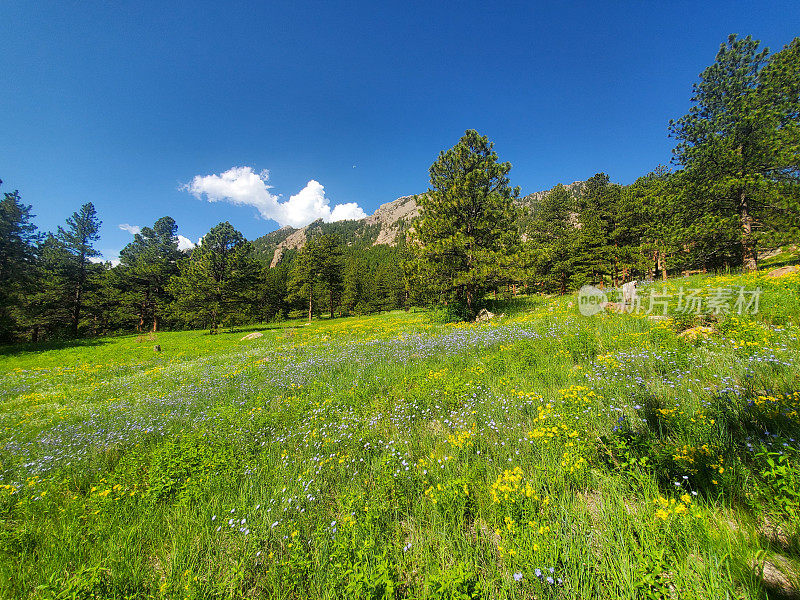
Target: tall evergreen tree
146	266
467	225
330	267
274	291
104	306
216	284
647	229
596	251
18	241
47	311
303	277
318	268
551	240
740	138
83	228
355	290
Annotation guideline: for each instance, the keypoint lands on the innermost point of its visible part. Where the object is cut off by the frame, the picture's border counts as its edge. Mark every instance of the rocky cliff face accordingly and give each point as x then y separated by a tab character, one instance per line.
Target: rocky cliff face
384	226
575	188
391	217
296	239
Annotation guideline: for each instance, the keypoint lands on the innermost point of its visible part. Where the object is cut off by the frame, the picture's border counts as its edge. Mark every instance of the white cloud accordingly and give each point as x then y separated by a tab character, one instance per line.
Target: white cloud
348	211
243	186
100	260
132	229
185	243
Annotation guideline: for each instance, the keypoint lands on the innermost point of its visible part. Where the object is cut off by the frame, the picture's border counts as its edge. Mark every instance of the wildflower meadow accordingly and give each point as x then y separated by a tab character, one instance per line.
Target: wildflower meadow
544	454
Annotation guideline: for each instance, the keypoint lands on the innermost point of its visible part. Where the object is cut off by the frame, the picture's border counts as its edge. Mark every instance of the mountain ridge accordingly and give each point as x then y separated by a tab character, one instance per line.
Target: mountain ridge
384	226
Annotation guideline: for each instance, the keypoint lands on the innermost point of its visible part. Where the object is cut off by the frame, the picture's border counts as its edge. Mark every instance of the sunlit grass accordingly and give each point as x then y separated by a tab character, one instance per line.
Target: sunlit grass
546	454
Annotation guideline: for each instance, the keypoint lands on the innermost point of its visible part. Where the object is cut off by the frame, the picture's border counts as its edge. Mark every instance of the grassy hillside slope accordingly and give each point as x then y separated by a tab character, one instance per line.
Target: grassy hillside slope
546	454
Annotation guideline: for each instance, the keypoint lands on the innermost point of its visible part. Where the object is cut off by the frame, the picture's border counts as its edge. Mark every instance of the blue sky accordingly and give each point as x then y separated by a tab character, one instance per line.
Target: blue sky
125	105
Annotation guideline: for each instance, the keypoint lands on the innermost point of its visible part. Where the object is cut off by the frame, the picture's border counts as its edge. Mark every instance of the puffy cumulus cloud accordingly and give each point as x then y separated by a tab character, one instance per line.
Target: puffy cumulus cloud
185	243
310	204
239	185
243	186
346	212
132	229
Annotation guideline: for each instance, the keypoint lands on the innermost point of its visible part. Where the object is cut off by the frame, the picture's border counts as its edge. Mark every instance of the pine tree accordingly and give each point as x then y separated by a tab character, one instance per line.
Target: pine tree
18	241
740	139
83	228
467	225
104	306
274	290
303	276
354	291
330	267
317	269
47	309
146	266
596	252
551	240
215	285
648	230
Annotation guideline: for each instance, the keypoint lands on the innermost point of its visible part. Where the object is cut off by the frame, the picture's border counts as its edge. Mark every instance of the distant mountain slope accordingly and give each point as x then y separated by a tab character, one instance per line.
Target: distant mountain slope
383	227
576	187
393	217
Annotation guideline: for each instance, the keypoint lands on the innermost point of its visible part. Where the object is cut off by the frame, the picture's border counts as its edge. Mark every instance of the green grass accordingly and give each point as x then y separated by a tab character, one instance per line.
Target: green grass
393	457
784	257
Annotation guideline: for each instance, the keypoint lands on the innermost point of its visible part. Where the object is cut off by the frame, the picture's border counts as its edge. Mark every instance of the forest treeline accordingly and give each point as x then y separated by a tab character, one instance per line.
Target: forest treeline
735	192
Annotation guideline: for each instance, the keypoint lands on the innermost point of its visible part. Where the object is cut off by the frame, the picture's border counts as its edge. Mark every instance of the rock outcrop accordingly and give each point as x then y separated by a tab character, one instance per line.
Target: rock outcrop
781	271
384	226
391	216
252	336
295	240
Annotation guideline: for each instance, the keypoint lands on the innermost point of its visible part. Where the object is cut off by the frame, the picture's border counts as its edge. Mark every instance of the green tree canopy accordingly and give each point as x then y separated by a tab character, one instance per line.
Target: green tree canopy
467	232
740	140
82	229
146	266
318	267
18	242
216	284
551	240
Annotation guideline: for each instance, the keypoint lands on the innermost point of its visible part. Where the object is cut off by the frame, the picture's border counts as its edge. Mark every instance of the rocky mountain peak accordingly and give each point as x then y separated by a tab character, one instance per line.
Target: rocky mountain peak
384	226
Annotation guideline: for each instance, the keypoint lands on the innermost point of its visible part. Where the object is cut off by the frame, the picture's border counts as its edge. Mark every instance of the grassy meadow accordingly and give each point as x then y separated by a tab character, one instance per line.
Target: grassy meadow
543	455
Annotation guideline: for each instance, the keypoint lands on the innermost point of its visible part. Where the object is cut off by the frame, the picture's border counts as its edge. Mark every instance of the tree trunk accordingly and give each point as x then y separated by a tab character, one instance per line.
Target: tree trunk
662	264
330	300
76	313
310	300
76	316
750	258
